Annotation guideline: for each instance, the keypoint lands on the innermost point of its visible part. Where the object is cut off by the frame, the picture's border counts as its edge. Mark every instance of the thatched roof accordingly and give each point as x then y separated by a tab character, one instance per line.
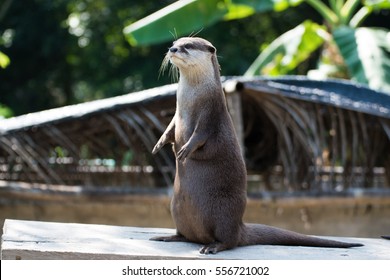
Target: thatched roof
297	133
338	93
79	111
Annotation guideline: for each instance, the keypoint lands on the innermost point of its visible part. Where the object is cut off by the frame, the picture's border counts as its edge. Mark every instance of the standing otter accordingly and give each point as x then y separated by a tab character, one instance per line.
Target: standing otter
210	184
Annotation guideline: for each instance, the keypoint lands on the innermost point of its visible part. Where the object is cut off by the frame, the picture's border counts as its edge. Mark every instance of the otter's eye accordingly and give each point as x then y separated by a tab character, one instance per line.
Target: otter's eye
189	46
212	49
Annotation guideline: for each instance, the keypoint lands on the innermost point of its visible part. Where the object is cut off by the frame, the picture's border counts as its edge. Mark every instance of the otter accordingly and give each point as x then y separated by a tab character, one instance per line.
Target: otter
209	193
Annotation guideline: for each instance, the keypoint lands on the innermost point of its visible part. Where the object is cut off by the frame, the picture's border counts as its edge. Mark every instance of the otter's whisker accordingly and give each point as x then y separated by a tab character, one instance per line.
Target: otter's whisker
174	73
174	33
163	66
195	33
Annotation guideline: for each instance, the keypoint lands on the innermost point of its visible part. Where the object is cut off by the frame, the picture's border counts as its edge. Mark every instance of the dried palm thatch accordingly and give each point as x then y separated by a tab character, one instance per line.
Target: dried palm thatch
298	135
101	143
322	137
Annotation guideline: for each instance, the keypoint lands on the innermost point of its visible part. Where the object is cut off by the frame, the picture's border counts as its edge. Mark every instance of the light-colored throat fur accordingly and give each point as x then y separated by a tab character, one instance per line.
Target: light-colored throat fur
198	68
198	79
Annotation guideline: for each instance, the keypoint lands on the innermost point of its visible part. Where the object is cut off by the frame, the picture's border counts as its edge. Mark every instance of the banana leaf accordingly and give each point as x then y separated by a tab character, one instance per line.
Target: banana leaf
377	4
190	16
288	50
366	52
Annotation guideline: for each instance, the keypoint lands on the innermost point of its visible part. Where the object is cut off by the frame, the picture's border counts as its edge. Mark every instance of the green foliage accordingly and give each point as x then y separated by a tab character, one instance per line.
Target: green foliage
366	52
5	112
189	16
69	51
366	57
292	48
286	52
4	60
192	15
267	5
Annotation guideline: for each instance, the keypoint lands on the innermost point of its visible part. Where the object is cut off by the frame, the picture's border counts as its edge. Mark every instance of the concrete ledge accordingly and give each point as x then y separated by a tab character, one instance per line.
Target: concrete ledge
47	240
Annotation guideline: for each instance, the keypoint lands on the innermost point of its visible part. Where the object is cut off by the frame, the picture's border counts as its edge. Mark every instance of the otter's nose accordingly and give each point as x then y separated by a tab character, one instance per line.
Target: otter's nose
173	49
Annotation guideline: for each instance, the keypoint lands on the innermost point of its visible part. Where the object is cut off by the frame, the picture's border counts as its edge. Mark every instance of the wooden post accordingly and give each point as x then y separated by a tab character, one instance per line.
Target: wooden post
234	104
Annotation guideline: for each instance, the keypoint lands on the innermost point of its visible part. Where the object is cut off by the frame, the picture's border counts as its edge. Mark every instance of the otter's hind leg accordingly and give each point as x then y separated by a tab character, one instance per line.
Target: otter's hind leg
214	248
226	238
170	238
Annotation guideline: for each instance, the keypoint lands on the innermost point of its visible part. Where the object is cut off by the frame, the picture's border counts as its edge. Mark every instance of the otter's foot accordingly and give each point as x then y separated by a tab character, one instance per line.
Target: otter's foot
213	248
172	238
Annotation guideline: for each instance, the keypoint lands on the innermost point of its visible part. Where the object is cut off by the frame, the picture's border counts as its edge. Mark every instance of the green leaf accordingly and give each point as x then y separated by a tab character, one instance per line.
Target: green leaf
238	11
329	16
242	8
179	18
366	52
348	10
4	60
189	16
368	7
290	49
5	112
268	5
377	4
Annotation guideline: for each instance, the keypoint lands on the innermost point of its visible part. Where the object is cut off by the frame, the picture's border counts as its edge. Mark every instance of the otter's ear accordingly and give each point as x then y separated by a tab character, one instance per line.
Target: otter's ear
212	49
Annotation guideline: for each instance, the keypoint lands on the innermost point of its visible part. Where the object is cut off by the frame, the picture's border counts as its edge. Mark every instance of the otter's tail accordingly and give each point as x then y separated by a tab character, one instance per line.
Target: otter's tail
253	234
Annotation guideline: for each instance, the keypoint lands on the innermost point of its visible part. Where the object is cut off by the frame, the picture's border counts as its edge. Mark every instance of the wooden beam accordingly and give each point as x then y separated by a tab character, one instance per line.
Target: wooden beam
47	240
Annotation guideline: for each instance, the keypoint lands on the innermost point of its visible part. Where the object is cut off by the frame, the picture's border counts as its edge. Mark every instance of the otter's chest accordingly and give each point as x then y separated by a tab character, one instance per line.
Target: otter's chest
184	128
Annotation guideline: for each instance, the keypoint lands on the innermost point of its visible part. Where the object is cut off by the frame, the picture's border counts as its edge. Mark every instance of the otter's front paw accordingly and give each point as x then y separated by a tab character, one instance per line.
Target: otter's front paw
160	144
183	153
157	147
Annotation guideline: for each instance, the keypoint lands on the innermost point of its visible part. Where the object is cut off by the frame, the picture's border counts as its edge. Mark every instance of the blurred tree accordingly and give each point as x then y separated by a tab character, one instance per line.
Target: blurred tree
68	51
4	59
36	46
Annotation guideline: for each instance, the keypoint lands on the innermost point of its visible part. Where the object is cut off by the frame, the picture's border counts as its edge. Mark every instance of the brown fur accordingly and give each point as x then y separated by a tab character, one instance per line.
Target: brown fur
210	184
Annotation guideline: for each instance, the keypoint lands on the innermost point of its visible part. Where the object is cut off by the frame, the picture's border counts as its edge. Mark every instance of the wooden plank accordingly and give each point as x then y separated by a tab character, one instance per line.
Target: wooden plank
48	240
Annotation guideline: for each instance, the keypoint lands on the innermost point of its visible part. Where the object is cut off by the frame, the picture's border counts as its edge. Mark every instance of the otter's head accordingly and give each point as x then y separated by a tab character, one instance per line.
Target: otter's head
193	57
